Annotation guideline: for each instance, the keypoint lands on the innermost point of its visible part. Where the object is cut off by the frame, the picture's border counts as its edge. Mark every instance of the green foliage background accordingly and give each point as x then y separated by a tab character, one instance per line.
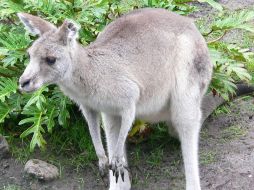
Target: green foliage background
40	112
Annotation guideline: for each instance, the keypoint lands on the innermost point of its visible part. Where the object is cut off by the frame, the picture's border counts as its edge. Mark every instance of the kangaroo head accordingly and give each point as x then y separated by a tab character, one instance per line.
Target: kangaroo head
50	55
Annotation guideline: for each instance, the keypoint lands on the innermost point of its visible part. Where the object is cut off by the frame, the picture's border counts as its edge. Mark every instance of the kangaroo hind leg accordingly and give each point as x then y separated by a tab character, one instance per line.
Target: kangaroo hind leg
185	118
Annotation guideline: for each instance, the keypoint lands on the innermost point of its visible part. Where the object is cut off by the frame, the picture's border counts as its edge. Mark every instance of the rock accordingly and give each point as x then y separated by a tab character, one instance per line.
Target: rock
41	170
6	165
4	148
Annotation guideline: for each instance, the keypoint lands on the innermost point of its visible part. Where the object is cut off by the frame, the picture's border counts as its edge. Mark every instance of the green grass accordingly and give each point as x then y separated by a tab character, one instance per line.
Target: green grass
150	153
136	155
161	138
71	145
207	158
11	187
141	183
233	132
155	157
20	149
204	133
81	183
249	106
223	109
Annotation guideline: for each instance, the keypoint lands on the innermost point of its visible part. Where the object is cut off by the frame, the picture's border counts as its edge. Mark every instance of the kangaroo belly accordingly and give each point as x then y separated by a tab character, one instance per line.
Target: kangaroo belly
153	113
153	107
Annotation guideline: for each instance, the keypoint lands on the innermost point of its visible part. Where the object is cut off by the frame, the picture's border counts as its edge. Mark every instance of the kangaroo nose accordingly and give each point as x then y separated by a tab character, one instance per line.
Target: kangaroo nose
24	83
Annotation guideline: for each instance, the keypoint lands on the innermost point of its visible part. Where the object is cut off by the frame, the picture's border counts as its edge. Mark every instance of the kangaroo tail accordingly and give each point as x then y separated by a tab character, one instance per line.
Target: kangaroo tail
211	102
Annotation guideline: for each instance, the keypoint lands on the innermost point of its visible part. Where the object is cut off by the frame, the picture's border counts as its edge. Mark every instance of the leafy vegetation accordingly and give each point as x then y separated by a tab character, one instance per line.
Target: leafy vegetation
230	59
40	112
233	132
11	187
207	158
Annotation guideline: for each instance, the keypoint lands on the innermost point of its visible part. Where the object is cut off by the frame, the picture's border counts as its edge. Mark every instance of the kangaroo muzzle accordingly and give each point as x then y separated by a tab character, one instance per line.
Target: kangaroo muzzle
29	80
25	84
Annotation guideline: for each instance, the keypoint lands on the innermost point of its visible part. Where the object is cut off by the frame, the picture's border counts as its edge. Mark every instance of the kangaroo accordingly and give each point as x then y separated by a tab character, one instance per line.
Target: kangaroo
150	64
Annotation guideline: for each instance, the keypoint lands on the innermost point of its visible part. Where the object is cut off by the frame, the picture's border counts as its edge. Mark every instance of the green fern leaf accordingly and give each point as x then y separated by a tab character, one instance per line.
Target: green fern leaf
9	7
237	20
37	98
36	129
4	111
7	87
61	101
51	114
213	3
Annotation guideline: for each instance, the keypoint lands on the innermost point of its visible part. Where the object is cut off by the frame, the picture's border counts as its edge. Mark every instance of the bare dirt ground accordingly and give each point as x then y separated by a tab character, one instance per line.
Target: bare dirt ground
226	156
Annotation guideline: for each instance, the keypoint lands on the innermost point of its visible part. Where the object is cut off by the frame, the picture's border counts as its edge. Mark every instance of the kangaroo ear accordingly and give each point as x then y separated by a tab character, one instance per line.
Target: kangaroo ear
68	31
34	24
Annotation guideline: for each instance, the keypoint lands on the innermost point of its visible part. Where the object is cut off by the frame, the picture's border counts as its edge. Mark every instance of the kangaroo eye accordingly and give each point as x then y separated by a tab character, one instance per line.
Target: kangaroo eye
50	60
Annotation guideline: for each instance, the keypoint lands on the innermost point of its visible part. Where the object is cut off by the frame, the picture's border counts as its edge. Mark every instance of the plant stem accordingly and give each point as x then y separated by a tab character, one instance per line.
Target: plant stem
5	75
208	33
217	39
190	1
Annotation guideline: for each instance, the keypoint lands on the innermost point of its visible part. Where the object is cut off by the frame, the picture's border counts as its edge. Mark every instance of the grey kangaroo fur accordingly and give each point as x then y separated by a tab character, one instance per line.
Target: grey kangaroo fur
150	64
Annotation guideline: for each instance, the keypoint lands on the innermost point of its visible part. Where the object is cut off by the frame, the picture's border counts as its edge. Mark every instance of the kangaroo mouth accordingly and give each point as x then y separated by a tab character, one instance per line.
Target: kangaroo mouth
27	89
29	86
